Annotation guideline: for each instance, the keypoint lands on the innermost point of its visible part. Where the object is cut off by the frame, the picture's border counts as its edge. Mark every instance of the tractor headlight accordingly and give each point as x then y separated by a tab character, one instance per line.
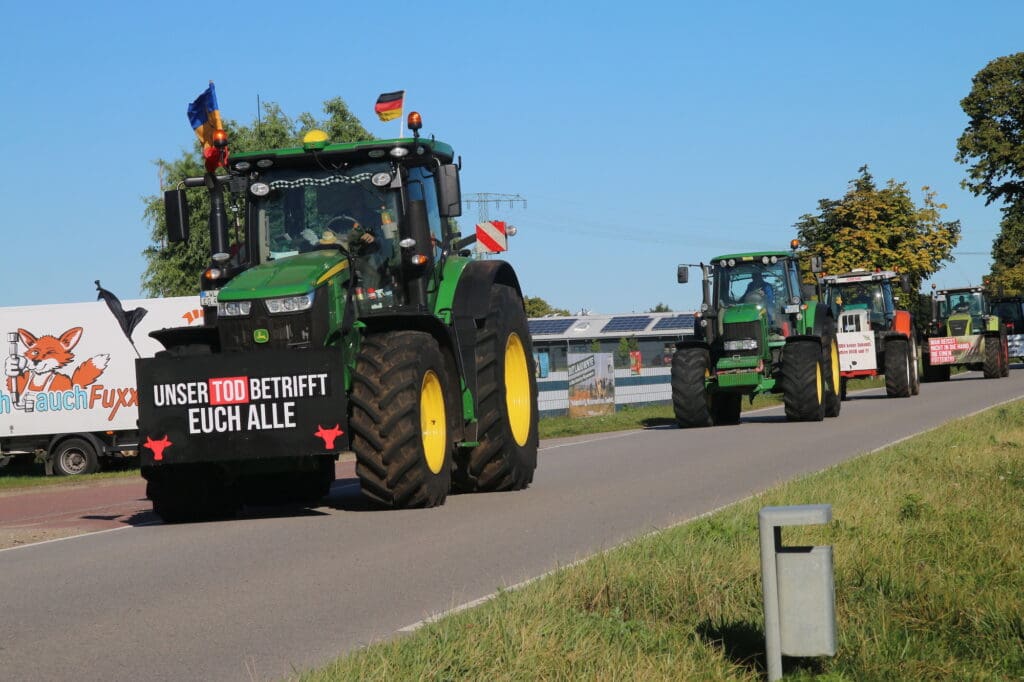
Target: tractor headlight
234	308
289	304
741	344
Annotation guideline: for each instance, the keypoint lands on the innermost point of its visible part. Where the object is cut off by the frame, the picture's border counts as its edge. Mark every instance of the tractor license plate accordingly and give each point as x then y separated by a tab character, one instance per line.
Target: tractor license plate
209	298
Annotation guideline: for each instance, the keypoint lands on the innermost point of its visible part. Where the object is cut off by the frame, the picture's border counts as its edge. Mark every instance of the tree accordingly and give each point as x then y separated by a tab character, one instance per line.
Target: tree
660	308
876	228
993	142
173	269
993	145
538	307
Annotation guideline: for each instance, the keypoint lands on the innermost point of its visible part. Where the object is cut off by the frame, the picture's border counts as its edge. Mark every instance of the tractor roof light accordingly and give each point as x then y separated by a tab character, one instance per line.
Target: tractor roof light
794	244
399	152
220	138
415	122
315	140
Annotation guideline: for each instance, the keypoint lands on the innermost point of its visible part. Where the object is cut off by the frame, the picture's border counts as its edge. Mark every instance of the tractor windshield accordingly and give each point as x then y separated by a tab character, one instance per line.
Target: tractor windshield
970	302
302	209
762	284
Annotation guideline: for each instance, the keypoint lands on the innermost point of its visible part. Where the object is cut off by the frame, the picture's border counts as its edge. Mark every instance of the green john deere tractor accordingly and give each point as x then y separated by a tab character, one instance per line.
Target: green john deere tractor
343	313
964	332
758	331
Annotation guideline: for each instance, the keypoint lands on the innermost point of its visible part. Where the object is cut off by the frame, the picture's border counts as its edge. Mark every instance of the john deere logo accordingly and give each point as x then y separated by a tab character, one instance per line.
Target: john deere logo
260	335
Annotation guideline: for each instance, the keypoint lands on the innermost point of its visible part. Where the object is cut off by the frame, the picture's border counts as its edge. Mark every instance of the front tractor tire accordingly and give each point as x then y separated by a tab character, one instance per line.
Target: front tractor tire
691	401
402	407
506	456
899	380
803	382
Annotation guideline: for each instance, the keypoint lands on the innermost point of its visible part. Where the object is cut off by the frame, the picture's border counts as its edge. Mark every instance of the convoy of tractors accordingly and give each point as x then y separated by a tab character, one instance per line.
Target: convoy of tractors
763	329
343	313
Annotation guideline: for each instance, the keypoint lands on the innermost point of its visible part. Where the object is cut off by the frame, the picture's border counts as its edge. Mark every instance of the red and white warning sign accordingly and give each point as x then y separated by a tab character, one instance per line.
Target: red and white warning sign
491	236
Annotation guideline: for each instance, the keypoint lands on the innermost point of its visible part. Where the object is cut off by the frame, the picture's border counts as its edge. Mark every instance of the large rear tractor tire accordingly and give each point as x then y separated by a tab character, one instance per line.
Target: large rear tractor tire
803	383
1004	342
898	379
992	362
73	457
506	457
691	401
833	389
401	420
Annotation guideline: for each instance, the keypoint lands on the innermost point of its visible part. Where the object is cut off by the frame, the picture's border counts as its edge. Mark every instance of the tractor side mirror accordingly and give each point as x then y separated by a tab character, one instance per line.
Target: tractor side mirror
905	283
449	193
816	264
176	212
683	274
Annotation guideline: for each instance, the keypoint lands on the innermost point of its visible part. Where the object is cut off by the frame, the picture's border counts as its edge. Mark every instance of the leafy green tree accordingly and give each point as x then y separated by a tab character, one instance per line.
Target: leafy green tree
538	307
1008	252
660	308
993	147
993	142
173	269
872	227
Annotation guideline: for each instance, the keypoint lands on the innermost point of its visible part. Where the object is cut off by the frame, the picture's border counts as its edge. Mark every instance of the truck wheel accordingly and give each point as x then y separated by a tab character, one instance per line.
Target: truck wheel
400	422
803	383
992	362
187	493
691	401
897	368
833	389
726	408
75	456
506	457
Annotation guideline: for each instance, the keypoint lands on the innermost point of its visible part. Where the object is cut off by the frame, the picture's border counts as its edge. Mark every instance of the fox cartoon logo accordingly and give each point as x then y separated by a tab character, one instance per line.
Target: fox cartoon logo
37	370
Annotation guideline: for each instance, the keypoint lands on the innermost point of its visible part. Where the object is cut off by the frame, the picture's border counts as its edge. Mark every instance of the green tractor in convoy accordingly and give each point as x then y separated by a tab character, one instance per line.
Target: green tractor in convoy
758	331
343	313
964	332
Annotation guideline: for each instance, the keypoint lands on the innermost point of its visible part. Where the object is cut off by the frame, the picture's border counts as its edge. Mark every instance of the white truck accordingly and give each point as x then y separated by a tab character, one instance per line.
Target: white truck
68	395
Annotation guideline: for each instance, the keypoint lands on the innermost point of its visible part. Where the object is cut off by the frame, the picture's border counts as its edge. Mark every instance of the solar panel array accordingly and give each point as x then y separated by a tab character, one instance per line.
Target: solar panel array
676	322
554	325
629	323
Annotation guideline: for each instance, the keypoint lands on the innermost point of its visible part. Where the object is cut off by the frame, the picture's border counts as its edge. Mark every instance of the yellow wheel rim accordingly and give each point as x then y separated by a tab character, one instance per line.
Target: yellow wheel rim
835	366
517	390
818	377
433	423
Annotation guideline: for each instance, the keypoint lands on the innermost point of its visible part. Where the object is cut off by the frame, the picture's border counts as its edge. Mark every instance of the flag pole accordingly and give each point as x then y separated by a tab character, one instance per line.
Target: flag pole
401	118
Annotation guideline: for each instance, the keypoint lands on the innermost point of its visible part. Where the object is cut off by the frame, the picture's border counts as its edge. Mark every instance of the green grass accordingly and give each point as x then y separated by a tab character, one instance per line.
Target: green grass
18	475
928	540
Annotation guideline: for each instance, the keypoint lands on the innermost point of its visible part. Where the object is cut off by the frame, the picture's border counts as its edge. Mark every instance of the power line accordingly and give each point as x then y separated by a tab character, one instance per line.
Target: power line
485	199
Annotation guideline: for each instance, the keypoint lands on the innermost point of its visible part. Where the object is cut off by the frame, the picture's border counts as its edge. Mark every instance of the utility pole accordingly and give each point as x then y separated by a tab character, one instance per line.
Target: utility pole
485	199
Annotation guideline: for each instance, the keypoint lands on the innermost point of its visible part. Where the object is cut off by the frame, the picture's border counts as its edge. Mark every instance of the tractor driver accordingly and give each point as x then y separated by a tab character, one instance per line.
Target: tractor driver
362	241
761	291
962	306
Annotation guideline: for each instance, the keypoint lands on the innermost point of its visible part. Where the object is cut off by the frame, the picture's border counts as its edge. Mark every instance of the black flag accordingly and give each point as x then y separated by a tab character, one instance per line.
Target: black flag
128	319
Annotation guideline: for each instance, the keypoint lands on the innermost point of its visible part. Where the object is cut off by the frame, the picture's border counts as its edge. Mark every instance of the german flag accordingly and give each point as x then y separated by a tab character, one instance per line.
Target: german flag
389	105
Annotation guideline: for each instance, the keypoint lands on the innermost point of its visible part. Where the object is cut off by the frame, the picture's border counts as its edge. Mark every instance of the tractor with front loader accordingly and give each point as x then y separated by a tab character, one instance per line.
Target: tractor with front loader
875	337
758	331
343	313
964	333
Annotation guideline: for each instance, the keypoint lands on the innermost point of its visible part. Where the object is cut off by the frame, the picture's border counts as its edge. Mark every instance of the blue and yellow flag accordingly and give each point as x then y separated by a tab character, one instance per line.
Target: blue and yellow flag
204	115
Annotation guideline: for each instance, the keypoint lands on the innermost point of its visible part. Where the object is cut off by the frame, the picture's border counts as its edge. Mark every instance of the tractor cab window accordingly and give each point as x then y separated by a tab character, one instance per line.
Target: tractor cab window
869	296
421	186
762	284
301	210
967	302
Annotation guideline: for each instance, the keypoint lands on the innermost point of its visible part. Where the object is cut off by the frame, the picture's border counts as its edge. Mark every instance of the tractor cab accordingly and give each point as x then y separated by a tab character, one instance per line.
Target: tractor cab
870	293
961	312
754	286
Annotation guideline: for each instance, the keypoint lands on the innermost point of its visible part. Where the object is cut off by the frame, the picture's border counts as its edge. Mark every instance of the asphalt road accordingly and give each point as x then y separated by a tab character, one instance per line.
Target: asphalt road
285	589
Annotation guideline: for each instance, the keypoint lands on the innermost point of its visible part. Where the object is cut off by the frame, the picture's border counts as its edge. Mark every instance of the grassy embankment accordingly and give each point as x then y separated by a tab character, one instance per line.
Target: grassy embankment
928	539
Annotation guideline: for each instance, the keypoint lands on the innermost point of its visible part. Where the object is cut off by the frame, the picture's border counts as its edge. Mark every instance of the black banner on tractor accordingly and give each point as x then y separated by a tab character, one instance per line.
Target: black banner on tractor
241	406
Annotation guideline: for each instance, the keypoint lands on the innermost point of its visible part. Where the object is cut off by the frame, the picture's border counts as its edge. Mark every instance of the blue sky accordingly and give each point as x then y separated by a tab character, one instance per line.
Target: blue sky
642	135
